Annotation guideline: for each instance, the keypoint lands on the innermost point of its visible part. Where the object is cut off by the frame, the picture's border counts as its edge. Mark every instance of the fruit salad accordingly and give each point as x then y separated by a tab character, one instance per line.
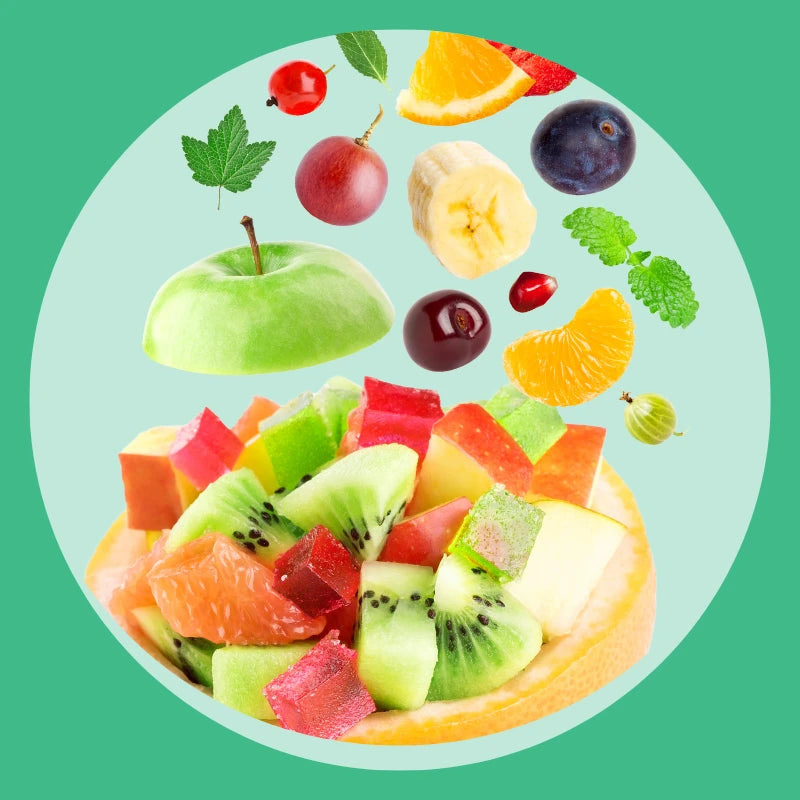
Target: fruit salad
358	550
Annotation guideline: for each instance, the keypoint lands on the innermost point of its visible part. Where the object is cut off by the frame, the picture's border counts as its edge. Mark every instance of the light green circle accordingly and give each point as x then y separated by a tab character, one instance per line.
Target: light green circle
147	219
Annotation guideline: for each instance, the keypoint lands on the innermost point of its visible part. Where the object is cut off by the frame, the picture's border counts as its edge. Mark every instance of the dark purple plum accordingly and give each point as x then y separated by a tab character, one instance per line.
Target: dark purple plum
584	146
445	330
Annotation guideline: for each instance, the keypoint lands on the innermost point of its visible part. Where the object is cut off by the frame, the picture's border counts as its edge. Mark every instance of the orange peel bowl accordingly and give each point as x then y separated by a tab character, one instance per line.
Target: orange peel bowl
611	634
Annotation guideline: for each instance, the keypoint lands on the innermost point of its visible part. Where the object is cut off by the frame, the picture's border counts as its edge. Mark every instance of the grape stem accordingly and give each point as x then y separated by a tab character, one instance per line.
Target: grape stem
247	223
362	140
626	397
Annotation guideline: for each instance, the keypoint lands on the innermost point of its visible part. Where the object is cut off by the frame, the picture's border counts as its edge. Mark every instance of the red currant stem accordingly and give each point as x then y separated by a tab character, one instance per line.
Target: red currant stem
247	222
626	397
325	72
362	140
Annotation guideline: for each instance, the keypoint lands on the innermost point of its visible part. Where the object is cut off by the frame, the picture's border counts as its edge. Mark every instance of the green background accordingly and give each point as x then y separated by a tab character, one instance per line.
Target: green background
82	83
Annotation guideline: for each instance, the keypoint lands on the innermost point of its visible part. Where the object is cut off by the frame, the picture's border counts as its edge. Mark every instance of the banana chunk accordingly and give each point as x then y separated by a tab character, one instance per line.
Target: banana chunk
469	208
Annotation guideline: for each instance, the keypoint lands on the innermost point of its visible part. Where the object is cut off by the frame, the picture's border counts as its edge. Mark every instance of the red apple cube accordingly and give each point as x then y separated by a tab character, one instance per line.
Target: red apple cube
318	574
205	449
424	538
567	471
259	409
389	413
321	694
156	494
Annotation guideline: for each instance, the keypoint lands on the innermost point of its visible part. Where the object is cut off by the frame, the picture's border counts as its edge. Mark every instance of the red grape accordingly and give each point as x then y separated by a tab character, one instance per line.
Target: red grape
445	330
297	87
531	290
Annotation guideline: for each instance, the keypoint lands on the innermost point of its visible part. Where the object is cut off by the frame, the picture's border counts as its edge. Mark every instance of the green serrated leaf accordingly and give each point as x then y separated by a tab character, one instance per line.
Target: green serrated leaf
603	233
638	257
666	290
365	53
227	161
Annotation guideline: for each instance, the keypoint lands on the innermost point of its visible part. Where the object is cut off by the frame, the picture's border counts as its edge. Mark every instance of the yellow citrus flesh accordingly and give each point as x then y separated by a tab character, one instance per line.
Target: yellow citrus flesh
460	78
572	364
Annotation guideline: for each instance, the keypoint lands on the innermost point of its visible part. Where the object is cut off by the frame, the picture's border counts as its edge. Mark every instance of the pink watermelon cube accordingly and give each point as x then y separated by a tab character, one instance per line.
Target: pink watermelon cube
205	449
321	694
424	538
390	413
318	574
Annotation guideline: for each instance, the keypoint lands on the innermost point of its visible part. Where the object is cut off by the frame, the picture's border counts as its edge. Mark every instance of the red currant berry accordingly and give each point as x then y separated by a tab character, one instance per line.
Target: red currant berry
531	290
297	87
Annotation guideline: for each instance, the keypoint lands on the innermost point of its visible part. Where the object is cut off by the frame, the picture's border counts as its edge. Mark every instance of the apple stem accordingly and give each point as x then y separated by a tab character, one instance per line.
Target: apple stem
329	69
362	140
626	397
247	222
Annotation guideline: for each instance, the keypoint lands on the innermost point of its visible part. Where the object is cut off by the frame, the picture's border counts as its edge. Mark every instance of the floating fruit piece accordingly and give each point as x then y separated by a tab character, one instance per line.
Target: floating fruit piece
213	588
548	77
259	409
650	418
318	574
321	695
341	180
574	363
469	208
460	78
446	330
531	290
298	87
156	493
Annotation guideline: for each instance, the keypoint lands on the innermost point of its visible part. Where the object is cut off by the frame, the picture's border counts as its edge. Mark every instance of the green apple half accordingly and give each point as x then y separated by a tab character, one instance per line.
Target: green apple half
311	304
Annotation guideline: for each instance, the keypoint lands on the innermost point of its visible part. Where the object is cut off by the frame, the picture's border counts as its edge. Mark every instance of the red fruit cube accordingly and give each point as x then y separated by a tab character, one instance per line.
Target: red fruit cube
318	574
259	409
424	538
389	413
205	449
321	694
343	620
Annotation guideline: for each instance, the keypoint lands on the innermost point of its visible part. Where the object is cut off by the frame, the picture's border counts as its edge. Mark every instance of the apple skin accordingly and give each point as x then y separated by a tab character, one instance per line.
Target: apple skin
312	304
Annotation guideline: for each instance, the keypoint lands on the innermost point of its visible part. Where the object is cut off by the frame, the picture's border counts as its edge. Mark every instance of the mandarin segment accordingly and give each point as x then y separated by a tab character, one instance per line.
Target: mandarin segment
575	363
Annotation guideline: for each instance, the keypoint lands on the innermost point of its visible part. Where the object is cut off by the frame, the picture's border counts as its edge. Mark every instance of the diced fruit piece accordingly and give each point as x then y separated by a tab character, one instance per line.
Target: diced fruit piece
237	505
133	590
395	639
343	620
390	413
568	470
254	457
213	588
321	695
571	551
318	574
156	494
358	498
259	409
548	77
423	539
204	449
498	533
334	401
297	441
469	452
191	655
504	401
485	636
536	427
241	673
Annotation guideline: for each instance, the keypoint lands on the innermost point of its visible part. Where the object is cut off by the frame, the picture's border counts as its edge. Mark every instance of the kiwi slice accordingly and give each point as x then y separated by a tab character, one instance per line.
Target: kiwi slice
237	505
192	655
484	635
357	498
395	638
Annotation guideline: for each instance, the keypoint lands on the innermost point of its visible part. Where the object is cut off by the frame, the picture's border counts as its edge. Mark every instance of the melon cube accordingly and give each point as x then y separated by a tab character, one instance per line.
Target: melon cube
205	449
259	409
156	494
424	538
318	574
321	695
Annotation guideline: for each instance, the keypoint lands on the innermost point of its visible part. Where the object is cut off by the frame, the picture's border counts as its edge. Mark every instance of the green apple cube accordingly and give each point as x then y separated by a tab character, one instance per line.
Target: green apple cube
335	400
297	441
498	533
311	304
535	426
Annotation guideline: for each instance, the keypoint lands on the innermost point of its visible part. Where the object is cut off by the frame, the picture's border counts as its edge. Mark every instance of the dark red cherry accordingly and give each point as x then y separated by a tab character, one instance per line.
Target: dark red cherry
445	330
531	290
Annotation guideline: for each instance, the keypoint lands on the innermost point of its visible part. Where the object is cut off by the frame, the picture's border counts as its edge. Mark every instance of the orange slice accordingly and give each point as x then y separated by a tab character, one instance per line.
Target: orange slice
574	363
458	79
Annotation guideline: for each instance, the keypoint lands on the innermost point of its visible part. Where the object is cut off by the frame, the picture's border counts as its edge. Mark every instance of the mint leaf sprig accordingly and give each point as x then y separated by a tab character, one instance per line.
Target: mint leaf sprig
662	285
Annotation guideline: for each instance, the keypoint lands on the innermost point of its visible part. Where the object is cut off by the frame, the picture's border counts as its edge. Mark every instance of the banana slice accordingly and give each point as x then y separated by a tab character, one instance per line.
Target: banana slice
469	208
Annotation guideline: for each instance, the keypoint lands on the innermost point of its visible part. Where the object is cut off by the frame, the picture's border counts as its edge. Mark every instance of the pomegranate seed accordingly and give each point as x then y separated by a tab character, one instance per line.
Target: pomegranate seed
531	290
